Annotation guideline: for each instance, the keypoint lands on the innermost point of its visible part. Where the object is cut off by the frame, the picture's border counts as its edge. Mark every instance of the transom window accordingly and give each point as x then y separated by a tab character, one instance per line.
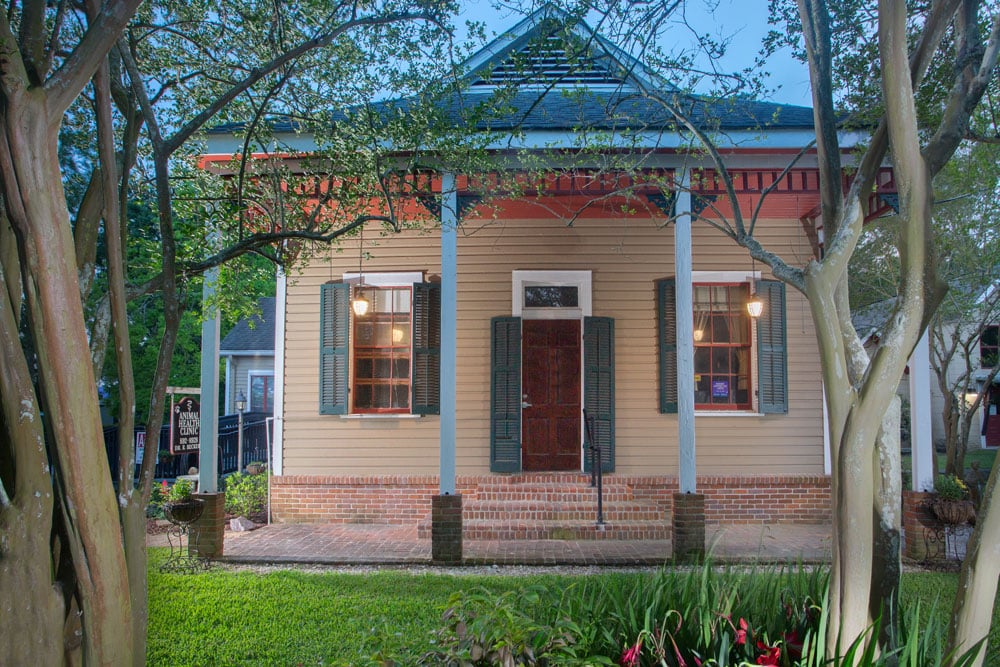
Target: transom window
382	351
722	346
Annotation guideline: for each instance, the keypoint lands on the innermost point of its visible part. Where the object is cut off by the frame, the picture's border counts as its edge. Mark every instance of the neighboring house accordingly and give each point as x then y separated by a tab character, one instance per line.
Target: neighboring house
248	349
985	431
538	321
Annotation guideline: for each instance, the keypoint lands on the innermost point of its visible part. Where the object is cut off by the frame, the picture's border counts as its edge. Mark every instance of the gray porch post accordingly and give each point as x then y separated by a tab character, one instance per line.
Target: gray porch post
689	505
208	458
446	508
921	442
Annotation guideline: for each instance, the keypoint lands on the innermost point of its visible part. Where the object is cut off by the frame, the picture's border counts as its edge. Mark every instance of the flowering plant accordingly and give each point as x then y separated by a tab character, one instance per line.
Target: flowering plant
950	487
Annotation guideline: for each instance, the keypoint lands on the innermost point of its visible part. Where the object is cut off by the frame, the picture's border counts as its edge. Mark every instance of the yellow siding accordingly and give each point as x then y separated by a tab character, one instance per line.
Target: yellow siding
625	258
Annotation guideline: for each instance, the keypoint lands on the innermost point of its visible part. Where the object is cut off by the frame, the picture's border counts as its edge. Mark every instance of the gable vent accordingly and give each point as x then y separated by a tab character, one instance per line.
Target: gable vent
548	62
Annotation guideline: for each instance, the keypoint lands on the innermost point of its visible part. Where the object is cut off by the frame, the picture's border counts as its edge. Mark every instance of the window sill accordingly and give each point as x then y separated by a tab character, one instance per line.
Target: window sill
727	413
382	416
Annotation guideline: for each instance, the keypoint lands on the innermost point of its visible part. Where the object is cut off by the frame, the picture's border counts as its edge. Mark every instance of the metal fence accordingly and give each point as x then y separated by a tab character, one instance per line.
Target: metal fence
256	432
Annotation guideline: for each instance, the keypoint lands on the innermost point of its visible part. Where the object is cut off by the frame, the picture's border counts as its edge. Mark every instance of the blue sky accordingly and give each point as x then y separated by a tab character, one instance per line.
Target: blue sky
743	21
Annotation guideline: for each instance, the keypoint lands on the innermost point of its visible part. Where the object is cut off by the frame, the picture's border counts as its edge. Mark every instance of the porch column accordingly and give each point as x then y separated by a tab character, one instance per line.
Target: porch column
689	505
208	457
685	337
446	511
921	442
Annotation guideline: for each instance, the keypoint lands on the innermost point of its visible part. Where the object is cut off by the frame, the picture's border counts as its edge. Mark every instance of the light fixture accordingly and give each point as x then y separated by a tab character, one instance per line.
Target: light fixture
755	306
699	334
241	402
360	304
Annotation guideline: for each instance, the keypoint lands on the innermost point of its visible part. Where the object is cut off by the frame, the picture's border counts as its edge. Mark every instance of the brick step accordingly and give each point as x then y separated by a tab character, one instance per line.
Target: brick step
534	510
550	493
557	530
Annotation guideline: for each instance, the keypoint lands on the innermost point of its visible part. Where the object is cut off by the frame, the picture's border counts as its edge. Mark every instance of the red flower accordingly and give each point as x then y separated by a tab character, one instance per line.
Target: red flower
741	633
770	656
794	644
630	657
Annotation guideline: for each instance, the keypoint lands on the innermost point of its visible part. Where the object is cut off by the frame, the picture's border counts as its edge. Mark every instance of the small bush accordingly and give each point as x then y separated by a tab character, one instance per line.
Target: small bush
181	491
158	496
950	487
246	495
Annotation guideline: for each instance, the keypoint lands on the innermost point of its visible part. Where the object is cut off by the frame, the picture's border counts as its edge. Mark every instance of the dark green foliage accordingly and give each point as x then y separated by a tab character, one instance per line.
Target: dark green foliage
246	495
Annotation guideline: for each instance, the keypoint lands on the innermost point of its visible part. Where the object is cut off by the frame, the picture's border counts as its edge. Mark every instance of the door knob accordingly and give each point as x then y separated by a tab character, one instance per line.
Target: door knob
524	402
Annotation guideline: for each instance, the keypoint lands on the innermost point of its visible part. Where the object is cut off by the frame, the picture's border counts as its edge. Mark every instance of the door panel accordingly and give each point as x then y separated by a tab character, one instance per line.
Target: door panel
551	386
991	427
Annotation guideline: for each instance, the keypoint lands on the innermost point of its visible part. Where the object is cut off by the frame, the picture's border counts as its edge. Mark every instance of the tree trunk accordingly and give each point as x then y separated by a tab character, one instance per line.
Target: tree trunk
887	566
977	583
36	206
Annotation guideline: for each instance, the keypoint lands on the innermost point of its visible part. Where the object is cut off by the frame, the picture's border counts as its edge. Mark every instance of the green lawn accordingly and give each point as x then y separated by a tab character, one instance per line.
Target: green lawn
984	457
227	617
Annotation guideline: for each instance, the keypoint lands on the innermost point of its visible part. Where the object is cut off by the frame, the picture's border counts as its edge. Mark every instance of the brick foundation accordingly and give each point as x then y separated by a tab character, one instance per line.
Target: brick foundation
917	516
689	527
636	506
207	534
446	529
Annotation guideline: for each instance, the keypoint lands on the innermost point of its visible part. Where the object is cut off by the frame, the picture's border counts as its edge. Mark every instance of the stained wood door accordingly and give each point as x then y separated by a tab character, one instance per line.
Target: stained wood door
551	385
991	427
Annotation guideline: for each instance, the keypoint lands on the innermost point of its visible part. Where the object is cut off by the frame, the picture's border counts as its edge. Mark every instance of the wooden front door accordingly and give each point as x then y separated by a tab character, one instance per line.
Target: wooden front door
551	385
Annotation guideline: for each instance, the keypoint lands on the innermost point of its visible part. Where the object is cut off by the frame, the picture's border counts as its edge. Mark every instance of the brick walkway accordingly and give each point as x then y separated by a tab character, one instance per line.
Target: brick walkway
330	544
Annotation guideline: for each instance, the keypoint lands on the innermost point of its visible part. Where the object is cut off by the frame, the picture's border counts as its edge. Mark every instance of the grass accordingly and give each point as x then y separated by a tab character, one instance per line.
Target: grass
985	458
226	617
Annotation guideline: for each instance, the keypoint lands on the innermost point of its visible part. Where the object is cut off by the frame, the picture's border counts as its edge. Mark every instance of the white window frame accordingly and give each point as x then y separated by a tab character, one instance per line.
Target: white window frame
582	280
708	277
251	374
380	279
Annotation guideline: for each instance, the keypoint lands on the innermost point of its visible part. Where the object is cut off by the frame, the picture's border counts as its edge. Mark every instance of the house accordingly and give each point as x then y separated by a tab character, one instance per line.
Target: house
966	375
248	349
455	399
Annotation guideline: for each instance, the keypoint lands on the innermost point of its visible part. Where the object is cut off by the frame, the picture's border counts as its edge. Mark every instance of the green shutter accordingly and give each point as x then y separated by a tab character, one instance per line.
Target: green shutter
334	347
505	395
666	336
599	385
772	349
426	376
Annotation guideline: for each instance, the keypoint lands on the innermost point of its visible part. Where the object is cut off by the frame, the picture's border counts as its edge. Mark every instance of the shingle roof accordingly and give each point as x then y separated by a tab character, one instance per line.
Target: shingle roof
260	337
568	102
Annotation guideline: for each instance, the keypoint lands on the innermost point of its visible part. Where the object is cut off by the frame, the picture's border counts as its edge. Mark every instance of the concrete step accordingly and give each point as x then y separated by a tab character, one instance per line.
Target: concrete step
550	493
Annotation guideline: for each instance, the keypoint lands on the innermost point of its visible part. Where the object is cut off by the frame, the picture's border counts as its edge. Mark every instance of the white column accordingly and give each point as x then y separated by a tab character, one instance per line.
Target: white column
279	372
685	337
921	442
449	329
208	449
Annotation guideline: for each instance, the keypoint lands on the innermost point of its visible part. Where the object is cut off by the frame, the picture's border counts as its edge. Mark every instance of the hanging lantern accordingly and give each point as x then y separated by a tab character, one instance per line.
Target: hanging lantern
755	306
360	304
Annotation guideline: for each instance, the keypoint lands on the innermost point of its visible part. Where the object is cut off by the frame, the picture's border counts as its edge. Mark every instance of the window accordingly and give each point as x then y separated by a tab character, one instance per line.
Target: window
989	346
722	345
381	376
261	392
386	361
724	351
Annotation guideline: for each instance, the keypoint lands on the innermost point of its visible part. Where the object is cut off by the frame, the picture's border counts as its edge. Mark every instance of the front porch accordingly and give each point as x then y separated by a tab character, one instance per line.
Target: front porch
550	506
394	545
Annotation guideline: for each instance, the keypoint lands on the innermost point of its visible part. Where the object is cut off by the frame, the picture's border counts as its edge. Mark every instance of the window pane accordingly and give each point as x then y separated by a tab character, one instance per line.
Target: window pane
382	352
723	348
551	296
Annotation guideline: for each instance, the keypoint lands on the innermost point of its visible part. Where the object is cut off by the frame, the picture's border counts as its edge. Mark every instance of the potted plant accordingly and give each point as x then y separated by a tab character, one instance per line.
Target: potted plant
181	505
951	504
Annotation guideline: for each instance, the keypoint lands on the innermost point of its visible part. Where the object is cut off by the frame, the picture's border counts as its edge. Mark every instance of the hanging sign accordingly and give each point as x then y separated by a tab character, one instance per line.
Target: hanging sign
185	426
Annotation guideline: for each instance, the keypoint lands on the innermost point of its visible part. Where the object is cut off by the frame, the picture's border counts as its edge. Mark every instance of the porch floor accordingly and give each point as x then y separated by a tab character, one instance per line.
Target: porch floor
359	544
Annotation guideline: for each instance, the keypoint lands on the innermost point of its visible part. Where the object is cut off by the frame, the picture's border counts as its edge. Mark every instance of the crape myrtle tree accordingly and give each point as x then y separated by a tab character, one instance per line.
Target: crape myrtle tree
960	39
139	82
967	242
944	55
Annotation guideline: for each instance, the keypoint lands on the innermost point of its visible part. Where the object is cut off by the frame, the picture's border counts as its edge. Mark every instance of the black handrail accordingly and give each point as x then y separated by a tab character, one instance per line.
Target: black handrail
596	474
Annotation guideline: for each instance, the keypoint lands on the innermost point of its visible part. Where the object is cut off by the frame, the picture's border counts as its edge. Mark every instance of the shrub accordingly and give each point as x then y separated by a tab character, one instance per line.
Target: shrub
950	487
246	495
181	491
157	497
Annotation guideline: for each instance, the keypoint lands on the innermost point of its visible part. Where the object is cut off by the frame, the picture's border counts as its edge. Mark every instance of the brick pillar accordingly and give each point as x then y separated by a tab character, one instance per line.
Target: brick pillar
689	527
446	529
208	532
916	517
